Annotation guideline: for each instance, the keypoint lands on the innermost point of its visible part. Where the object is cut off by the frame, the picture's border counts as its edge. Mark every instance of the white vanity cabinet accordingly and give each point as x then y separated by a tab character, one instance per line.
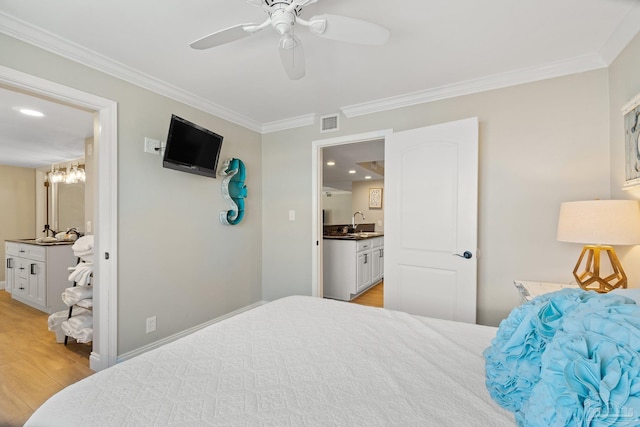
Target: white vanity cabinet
377	259
351	266
10	253
37	275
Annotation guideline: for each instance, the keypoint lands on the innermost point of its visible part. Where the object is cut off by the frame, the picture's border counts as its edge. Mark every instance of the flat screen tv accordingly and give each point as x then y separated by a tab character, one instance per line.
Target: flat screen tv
191	148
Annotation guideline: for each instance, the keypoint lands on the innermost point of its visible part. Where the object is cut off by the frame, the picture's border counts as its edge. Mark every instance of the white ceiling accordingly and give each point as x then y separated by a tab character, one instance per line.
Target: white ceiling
351	157
34	142
438	49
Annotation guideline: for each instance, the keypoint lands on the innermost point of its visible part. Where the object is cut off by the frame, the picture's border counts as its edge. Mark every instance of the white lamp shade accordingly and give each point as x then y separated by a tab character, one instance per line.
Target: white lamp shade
600	222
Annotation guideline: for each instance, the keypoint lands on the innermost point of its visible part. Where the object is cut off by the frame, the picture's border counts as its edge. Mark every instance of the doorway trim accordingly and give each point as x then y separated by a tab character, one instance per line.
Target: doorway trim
104	352
316	203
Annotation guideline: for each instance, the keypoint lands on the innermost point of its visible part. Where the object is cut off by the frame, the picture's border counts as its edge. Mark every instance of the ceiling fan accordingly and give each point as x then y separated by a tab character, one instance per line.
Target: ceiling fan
283	15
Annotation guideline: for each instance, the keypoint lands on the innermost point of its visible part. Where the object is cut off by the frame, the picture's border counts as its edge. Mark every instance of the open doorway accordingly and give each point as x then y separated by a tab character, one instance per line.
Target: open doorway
319	192
104	351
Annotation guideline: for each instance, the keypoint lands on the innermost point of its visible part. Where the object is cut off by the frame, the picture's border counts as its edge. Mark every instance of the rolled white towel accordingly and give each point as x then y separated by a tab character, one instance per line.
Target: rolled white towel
79	270
83	245
86	258
71	296
83	335
55	319
81	321
82	274
54	322
86	303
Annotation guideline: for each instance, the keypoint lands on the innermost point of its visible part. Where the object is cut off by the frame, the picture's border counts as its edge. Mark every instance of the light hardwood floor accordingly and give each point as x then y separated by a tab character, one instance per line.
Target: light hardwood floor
373	297
32	365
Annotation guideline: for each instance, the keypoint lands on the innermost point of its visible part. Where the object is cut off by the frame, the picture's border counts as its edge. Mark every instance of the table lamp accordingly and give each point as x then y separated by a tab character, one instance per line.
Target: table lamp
599	224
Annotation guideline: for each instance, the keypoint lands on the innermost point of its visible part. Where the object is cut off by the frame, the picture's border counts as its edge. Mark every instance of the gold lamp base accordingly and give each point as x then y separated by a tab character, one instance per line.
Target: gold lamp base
590	279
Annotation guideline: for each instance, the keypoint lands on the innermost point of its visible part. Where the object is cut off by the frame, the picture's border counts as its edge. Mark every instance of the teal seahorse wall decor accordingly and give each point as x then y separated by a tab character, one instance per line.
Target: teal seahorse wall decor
233	190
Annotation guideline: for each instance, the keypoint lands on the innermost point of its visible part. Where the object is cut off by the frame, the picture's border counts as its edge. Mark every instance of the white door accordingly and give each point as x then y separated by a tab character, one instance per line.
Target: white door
431	186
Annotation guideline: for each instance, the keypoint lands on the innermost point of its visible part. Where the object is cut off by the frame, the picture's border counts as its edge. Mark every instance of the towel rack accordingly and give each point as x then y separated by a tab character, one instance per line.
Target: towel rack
75	283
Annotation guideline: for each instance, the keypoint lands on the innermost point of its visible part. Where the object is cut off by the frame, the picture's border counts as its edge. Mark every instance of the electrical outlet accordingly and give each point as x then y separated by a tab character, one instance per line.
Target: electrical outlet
151	146
151	324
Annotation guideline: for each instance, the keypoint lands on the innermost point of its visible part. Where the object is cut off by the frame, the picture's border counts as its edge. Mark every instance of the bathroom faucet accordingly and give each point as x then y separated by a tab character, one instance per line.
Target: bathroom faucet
353	220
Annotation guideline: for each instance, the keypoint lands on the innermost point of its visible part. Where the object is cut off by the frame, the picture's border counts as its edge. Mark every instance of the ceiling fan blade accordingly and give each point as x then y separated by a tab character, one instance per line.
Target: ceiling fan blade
292	57
350	30
221	37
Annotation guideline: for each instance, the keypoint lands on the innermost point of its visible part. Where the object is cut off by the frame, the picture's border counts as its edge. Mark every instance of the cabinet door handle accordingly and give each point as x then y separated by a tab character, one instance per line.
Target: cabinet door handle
366	258
33	269
9	262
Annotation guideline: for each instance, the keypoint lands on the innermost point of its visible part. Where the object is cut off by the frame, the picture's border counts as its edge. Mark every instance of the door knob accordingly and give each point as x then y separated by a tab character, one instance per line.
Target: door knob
465	255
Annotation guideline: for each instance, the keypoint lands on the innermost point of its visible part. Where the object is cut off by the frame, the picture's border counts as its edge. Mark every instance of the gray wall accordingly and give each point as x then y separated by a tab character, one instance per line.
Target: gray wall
624	85
176	261
540	144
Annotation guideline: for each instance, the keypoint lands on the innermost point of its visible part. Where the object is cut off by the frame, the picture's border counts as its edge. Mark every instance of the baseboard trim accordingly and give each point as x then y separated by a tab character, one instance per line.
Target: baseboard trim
163	341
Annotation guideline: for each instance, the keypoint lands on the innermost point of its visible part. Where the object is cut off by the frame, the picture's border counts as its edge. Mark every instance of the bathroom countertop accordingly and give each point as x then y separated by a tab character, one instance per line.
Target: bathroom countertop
33	242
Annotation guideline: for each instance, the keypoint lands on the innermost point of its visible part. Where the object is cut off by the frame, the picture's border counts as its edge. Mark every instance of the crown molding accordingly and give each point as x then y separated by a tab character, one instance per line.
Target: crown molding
293	122
36	36
41	38
497	81
622	36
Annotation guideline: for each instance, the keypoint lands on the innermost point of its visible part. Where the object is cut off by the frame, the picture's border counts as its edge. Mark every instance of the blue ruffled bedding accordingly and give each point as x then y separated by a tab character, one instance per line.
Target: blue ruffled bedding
568	358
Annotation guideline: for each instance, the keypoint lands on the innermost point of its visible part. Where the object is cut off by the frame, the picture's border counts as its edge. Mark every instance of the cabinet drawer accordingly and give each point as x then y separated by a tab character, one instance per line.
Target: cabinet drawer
376	242
33	252
363	245
11	248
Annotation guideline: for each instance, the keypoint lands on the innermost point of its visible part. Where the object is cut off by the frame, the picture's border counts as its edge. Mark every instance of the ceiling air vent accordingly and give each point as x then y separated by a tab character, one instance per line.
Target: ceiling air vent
329	123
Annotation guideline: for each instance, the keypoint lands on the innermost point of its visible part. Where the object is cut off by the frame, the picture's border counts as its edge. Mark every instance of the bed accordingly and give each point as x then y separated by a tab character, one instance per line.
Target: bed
297	361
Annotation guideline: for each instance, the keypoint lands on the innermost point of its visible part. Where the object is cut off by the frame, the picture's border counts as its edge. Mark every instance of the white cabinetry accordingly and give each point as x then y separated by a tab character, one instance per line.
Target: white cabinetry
377	260
37	275
363	270
10	253
350	267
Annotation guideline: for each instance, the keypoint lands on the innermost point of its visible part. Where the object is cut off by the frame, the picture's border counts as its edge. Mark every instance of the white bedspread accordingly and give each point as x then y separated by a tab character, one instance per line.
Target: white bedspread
298	361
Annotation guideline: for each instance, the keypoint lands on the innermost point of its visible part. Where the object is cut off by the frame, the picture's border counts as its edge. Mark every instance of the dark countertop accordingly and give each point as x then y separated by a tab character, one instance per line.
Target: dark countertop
353	236
33	242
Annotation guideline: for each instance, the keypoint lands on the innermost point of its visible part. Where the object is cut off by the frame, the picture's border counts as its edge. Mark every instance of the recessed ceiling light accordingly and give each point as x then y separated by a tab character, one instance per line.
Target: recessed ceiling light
367	177
33	113
352	171
331	163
